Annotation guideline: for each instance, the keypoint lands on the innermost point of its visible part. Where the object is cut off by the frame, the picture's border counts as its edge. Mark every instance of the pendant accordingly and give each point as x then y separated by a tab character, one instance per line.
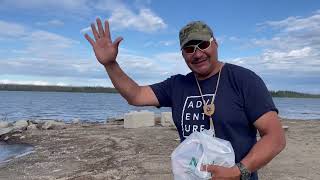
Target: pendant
208	109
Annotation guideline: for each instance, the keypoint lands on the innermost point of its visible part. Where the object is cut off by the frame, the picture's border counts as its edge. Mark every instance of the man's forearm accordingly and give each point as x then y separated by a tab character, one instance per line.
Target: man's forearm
264	151
122	82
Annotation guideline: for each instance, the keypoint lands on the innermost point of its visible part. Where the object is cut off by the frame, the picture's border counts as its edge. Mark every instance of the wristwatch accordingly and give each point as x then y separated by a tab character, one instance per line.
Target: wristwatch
245	173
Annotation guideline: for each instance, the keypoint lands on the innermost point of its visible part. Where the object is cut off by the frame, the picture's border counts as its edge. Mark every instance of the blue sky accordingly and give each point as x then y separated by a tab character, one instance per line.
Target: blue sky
41	41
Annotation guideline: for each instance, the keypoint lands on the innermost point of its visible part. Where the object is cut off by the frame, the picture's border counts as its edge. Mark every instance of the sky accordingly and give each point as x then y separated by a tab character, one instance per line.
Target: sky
42	42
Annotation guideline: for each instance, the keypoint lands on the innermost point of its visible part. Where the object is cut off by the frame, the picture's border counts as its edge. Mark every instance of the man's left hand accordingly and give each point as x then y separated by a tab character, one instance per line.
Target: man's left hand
222	173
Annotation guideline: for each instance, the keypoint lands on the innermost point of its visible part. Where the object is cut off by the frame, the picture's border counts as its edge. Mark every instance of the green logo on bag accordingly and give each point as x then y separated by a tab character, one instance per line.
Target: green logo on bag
193	162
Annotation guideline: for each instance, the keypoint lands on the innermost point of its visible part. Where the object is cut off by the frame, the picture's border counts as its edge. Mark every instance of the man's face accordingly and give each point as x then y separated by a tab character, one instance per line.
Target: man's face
202	60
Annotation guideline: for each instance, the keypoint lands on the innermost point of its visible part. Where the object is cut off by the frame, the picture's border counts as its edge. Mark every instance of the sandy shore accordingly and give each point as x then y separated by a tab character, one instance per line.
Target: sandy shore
108	151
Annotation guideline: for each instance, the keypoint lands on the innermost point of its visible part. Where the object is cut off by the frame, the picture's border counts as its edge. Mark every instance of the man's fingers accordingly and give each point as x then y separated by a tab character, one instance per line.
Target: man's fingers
208	168
117	42
100	28
94	31
107	30
91	41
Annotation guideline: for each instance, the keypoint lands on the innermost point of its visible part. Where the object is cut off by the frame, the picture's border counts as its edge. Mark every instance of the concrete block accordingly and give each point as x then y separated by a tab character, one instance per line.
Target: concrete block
139	119
4	124
166	119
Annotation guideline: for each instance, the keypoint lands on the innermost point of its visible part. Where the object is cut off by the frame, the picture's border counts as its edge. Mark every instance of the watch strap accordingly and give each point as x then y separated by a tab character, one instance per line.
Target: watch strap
245	173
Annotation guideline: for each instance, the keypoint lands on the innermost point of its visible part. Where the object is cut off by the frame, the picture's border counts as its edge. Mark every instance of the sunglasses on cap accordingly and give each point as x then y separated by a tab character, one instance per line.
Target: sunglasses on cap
203	45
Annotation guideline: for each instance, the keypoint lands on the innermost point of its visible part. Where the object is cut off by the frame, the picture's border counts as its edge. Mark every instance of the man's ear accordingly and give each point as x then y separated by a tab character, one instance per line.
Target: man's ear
215	41
183	54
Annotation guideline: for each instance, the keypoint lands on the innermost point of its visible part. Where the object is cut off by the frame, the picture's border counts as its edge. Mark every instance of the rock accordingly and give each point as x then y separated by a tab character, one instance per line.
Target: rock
32	127
5	130
4	124
36	121
20	125
285	128
115	120
76	121
53	125
16	135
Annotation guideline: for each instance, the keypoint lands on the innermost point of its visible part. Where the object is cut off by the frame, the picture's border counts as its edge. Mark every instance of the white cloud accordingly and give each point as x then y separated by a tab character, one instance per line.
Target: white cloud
39	39
292	24
292	54
146	70
47	55
160	43
232	38
137	65
51	68
145	21
173	63
33	38
62	84
46	46
122	17
44	5
53	22
85	30
39	53
294	49
41	83
167	43
11	30
294	33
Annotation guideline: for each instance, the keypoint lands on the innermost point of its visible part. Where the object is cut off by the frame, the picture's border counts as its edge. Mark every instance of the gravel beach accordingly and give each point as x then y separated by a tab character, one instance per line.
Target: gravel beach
108	151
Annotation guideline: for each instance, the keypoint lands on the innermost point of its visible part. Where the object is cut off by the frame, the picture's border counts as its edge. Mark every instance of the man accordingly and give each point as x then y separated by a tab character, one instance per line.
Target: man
231	99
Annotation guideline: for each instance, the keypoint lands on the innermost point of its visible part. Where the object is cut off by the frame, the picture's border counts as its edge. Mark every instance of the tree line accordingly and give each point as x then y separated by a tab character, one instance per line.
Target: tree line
19	87
98	89
293	94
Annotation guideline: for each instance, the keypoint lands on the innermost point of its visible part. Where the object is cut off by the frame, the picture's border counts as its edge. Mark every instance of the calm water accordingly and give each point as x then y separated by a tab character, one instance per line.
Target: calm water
16	105
11	151
298	108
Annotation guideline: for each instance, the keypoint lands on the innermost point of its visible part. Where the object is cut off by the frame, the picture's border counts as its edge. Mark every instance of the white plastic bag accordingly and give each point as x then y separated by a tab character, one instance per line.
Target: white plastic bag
198	149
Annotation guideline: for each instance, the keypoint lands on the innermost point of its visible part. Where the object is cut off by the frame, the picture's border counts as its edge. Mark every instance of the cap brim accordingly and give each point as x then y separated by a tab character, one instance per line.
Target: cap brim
196	37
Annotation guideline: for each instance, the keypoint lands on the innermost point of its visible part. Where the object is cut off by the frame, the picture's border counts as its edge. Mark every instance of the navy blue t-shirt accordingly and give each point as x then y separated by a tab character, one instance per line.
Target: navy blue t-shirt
241	99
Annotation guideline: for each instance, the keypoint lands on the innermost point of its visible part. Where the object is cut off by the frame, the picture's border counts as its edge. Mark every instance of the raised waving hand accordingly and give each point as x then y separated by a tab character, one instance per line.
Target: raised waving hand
105	50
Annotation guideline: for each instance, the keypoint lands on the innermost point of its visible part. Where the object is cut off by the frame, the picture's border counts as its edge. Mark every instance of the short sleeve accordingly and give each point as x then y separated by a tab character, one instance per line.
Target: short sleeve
163	92
257	98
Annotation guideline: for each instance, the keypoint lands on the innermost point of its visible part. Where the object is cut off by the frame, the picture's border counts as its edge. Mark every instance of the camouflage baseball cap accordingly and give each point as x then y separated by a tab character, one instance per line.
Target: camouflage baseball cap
195	30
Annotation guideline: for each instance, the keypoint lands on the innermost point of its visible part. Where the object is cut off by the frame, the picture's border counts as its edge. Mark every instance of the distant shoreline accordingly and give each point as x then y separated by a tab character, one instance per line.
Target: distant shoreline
51	88
100	89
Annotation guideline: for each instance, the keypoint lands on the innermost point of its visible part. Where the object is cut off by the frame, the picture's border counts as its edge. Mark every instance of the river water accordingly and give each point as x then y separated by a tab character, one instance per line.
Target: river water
15	105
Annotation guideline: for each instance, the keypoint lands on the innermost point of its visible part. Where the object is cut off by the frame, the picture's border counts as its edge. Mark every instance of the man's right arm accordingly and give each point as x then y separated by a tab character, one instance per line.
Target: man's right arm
106	53
129	89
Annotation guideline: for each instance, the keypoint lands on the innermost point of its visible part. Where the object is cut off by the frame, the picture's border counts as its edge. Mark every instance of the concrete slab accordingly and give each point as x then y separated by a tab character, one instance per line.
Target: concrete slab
166	119
139	119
